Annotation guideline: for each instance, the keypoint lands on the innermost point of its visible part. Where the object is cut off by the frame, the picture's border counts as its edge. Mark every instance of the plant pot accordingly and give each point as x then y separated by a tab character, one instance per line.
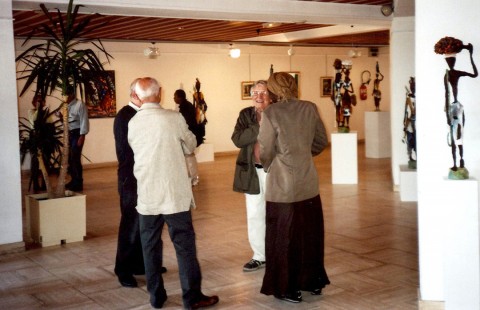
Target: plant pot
56	221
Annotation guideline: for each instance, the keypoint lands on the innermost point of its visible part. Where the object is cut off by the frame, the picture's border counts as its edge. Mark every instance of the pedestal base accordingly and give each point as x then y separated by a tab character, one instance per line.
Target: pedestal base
204	152
408	184
460	213
344	158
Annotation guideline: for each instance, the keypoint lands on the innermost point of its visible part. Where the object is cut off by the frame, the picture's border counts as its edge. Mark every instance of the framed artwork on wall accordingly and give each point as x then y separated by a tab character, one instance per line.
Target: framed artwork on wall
246	87
101	102
296	76
326	86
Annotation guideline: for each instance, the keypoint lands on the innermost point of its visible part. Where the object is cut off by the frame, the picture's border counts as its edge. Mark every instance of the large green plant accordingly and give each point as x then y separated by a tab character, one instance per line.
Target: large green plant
63	60
40	136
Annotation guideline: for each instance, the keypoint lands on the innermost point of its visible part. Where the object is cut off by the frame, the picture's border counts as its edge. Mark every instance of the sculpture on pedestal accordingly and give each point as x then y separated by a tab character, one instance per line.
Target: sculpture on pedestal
409	125
342	95
449	47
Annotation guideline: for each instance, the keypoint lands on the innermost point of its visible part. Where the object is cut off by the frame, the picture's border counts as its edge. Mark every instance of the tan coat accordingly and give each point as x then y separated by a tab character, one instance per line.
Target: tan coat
291	132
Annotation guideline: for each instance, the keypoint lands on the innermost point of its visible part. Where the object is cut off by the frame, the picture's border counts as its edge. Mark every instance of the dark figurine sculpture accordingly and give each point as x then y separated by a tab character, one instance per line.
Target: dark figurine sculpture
377	94
337	92
449	47
201	109
409	125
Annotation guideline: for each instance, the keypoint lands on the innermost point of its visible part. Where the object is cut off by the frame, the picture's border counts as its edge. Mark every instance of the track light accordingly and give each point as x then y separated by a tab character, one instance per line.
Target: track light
387	9
353	53
234	52
291	51
151	51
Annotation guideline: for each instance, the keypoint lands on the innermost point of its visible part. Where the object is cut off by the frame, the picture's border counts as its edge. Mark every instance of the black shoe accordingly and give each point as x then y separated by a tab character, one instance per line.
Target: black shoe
294	297
317	291
127	281
253	265
205	301
158	302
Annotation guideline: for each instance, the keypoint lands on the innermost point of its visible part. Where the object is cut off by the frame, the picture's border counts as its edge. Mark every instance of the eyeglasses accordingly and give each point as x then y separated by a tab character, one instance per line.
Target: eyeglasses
259	92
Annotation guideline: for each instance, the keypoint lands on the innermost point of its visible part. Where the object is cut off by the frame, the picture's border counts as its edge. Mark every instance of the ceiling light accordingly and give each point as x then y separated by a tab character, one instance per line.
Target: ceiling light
291	51
270	25
151	52
387	9
234	52
353	53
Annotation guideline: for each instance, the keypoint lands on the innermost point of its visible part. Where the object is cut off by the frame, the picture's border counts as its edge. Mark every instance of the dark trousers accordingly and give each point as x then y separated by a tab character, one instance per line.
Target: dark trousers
75	158
181	232
129	259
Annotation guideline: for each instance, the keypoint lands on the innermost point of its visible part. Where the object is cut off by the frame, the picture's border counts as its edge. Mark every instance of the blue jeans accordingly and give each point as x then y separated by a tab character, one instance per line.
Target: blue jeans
180	228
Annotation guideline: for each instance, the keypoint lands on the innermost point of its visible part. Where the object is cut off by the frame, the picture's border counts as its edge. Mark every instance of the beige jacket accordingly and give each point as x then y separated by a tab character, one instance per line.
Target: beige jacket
159	139
291	132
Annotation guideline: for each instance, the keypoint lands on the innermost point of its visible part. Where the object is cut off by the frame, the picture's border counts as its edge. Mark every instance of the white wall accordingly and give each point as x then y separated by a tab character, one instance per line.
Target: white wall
10	190
221	76
402	58
433	22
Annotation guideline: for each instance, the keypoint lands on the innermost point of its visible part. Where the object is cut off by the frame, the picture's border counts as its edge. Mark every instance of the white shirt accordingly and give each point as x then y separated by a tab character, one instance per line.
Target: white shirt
160	139
78	116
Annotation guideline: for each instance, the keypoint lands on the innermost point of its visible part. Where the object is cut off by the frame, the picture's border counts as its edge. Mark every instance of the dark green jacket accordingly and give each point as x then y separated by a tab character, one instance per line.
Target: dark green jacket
244	137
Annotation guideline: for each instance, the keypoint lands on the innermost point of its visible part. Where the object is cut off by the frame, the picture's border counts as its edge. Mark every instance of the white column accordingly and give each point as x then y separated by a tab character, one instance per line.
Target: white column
402	67
10	189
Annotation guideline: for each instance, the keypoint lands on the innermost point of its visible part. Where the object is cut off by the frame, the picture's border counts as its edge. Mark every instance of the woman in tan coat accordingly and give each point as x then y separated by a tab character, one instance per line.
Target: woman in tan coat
291	132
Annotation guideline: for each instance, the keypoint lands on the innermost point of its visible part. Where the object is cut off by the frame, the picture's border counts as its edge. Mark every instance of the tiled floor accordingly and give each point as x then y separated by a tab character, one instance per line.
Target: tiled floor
371	249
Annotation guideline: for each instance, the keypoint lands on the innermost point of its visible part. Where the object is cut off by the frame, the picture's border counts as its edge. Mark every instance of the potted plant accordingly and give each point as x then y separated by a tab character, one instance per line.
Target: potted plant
40	136
60	62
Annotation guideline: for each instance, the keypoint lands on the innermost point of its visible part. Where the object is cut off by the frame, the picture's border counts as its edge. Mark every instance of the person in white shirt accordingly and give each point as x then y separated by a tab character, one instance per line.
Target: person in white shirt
78	126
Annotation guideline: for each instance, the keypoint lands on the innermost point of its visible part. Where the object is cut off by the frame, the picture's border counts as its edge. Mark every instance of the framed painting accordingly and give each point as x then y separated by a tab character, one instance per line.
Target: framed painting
246	88
326	86
99	100
296	76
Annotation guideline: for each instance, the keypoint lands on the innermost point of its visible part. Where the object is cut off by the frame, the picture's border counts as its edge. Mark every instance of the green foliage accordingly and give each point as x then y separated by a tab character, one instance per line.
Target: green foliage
41	136
59	62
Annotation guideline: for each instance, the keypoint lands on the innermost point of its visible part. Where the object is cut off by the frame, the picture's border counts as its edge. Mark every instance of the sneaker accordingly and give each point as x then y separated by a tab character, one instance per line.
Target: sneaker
294	297
253	265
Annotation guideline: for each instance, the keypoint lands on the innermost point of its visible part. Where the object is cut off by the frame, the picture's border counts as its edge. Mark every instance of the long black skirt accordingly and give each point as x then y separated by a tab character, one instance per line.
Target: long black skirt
294	246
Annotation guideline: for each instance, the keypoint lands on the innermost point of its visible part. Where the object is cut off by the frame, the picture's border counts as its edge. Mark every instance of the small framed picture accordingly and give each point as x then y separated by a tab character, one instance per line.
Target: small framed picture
246	87
326	86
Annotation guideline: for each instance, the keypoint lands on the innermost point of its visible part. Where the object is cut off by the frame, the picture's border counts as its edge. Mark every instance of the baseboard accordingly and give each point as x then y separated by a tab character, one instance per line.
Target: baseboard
10	248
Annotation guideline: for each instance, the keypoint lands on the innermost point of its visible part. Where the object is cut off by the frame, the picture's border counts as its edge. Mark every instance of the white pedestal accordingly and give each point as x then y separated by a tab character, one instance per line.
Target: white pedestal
204	152
460	213
344	158
377	135
56	221
408	184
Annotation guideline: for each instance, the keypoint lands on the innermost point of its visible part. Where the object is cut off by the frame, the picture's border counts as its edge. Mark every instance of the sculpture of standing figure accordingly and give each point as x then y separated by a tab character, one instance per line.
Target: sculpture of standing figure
449	47
409	125
337	92
347	100
201	109
377	94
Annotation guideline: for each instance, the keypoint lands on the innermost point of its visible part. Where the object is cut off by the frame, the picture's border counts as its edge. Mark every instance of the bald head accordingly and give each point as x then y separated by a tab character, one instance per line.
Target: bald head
148	90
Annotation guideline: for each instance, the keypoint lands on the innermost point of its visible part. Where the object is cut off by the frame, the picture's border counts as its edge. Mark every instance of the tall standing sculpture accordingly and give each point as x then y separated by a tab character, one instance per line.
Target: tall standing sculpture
449	47
377	94
409	125
201	109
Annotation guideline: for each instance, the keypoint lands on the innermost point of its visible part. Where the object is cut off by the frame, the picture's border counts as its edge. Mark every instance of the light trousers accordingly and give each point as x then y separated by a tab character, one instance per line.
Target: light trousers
256	218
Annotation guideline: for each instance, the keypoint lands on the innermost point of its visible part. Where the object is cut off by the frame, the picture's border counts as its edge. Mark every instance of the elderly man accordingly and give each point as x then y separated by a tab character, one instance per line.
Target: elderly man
159	139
